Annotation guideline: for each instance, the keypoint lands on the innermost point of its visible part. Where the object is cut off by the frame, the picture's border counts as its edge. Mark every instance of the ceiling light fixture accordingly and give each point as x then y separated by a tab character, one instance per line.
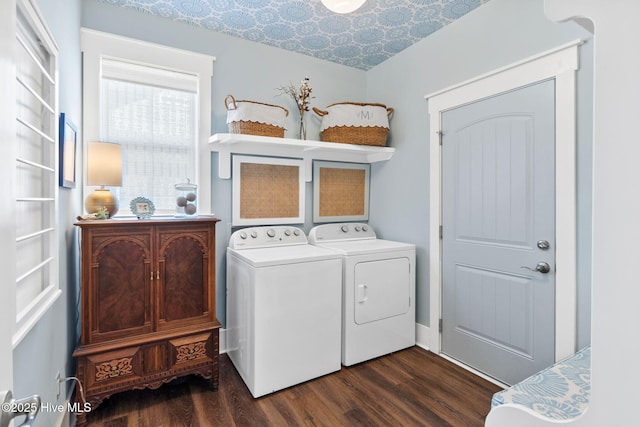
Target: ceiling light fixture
342	6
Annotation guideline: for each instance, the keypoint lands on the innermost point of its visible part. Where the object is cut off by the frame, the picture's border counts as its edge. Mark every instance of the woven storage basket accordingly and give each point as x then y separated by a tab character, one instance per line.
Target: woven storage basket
355	123
255	118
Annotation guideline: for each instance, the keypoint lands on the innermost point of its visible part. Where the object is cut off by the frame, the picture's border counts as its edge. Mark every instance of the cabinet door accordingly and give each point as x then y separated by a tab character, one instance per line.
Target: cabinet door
119	285
185	266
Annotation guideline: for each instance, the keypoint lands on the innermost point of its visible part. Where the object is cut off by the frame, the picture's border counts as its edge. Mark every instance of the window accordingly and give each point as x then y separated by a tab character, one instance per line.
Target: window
155	102
156	126
36	170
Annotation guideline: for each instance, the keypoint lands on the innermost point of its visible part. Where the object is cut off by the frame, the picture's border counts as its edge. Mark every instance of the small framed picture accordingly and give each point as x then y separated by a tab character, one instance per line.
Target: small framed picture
142	207
67	157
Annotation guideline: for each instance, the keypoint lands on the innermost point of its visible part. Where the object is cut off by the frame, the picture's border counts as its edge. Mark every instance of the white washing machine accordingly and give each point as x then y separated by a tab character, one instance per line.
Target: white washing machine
283	308
378	290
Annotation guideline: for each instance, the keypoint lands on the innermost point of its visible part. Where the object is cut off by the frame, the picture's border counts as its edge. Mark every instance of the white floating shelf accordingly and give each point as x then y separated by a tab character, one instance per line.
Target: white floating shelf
227	144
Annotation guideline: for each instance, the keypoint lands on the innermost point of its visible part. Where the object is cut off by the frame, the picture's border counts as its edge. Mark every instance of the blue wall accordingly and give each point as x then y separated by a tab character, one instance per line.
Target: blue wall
495	35
245	69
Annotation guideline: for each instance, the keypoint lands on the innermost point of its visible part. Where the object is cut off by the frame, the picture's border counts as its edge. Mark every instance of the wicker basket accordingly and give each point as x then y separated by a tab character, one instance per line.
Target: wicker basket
357	118
264	119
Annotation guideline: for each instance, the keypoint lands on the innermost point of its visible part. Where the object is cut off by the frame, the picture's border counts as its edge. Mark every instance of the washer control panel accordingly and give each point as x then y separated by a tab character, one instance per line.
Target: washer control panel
343	231
276	235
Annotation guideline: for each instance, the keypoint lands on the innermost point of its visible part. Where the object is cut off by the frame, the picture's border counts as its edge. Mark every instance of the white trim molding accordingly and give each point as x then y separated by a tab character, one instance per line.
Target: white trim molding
560	64
423	336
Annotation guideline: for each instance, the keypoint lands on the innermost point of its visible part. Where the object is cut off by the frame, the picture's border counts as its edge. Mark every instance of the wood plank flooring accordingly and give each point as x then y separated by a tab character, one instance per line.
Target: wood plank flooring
412	387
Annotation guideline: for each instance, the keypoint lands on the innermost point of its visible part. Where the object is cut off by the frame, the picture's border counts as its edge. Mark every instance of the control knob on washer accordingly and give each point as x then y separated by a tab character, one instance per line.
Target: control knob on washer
271	232
287	232
344	229
296	232
243	235
254	234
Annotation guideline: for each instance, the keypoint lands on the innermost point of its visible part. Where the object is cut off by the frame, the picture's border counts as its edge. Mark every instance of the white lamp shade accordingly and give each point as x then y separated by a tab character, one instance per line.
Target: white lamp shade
343	6
104	164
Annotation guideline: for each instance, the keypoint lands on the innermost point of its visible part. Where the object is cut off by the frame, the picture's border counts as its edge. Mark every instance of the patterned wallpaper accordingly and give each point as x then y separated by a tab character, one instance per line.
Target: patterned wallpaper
361	39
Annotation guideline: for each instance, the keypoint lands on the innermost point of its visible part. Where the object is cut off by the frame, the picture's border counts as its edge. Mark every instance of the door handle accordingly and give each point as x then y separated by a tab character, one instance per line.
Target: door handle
363	294
541	267
12	408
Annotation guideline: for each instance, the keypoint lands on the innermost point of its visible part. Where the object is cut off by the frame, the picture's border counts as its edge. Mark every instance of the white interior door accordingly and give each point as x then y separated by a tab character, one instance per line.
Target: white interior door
498	245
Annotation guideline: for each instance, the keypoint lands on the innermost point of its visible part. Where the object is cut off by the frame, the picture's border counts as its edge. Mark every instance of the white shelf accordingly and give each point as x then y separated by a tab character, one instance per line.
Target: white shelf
227	144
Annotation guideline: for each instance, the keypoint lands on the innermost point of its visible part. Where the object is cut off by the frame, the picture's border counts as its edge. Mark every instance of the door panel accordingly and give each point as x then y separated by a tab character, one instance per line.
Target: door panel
183	265
497	203
505	320
185	272
382	289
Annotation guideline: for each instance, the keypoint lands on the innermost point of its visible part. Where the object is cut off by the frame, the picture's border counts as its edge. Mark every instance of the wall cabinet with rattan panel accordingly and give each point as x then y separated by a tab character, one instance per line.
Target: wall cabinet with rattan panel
148	304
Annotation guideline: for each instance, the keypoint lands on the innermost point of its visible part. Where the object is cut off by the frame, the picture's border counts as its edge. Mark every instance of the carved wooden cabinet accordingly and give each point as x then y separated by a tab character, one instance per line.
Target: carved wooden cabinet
148	304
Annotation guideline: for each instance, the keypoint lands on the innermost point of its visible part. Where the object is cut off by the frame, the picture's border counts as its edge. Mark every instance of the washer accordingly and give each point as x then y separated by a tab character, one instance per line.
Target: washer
378	290
283	308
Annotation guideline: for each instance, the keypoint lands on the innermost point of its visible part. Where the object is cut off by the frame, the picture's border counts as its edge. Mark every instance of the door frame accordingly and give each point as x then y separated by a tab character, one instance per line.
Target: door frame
560	64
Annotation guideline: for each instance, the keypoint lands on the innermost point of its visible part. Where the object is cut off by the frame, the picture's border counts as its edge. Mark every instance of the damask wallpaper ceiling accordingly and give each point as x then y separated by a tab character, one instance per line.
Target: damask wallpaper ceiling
361	39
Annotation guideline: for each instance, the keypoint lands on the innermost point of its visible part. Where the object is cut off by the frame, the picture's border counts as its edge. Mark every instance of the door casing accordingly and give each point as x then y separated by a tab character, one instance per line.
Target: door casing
560	64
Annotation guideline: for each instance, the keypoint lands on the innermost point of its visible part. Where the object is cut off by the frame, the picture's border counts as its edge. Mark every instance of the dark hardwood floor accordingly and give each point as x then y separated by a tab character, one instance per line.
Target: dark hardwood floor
412	387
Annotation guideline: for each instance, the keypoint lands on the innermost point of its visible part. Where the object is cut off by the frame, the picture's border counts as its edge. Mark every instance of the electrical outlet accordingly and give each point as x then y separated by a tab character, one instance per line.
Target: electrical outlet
59	380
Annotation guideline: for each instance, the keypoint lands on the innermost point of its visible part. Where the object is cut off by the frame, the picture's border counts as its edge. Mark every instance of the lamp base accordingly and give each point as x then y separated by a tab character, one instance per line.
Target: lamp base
101	198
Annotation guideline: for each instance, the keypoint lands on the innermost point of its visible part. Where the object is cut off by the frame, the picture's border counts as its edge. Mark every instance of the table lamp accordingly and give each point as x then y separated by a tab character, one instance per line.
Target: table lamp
104	168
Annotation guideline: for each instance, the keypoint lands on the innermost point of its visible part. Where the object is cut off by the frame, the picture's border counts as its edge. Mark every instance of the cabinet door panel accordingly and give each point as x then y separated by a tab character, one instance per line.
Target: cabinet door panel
184	263
121	293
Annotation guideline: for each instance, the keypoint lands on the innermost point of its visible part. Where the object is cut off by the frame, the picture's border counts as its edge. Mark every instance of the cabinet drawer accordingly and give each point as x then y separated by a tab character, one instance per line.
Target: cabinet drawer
111	369
192	350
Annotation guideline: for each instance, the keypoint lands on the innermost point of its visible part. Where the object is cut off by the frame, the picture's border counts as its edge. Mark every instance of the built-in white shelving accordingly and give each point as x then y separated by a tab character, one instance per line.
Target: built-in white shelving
226	144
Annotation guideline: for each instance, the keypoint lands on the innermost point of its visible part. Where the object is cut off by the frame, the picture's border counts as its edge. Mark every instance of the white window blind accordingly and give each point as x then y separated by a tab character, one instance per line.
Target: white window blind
152	112
36	184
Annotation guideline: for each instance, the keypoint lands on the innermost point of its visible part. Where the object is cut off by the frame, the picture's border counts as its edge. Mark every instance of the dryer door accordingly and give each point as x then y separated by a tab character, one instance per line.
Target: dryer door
382	289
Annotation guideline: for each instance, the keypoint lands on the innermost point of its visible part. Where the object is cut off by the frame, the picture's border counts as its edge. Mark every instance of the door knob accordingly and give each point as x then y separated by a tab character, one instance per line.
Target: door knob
541	267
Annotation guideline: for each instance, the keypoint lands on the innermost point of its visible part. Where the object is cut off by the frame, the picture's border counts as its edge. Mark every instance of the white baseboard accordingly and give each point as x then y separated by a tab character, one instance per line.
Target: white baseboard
65	418
423	336
222	342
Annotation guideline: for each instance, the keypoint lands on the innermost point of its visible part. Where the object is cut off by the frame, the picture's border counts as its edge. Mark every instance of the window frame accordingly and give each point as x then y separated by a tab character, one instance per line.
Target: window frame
25	319
96	45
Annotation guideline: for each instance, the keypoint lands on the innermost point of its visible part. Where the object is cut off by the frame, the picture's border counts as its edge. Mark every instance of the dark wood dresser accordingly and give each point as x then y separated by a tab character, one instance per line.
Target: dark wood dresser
148	305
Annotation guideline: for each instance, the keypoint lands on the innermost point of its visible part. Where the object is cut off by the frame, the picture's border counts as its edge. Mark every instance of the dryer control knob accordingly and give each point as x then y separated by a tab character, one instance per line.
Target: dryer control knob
357	228
344	229
296	232
271	232
365	228
287	232
254	234
243	235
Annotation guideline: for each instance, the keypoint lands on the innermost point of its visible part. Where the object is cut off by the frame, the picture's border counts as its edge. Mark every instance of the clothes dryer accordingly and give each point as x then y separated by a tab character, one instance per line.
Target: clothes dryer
378	290
283	308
